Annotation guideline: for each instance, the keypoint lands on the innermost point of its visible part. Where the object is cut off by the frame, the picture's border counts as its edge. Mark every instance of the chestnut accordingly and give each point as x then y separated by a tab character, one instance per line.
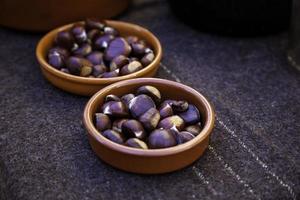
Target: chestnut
110	31
83	50
103	41
194	129
184	136
138	49
147	58
140	104
96	58
114	136
150	119
132	67
79	66
191	115
65	39
111	97
136	143
118	62
127	98
102	122
117	124
115	109
151	91
79	33
98	70
161	138
133	128
91	23
111	74
116	47
165	110
172	121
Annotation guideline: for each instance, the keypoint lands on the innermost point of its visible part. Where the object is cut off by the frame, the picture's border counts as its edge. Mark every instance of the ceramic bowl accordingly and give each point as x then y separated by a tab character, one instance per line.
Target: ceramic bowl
150	161
33	15
88	86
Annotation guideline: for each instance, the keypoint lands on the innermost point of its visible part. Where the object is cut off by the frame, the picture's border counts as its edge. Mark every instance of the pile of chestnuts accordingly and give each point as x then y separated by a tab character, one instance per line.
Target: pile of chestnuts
94	49
147	121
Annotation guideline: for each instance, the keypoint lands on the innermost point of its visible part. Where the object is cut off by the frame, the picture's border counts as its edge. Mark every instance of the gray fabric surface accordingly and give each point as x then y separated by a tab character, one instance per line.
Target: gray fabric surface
254	151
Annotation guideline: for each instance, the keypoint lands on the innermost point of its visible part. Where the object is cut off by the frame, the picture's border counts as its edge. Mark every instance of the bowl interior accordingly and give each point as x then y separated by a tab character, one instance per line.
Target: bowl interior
168	89
124	28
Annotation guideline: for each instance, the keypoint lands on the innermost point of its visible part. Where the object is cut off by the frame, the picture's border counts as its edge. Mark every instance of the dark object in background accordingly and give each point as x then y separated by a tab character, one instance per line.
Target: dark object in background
234	17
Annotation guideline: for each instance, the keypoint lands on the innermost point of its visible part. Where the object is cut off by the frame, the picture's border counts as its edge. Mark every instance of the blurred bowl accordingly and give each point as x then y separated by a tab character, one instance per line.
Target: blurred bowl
35	15
88	86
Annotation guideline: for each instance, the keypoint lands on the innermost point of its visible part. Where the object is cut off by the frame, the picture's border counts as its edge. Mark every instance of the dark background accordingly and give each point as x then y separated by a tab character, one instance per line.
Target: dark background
254	151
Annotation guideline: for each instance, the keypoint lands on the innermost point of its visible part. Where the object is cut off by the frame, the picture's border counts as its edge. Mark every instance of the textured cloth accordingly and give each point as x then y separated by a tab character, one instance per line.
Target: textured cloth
254	151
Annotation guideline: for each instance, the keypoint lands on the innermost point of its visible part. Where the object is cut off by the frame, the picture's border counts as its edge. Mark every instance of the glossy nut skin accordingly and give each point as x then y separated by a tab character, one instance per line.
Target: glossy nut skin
102	122
151	91
113	136
172	121
65	70
110	31
77	65
56	60
96	58
132	67
93	34
150	119
83	50
147	58
60	51
111	74
132	39
65	39
91	23
116	47
111	97
184	136
115	109
133	128
118	62
117	124
79	33
136	143
165	110
140	104
98	70
102	42
179	106
138	49
161	138
194	129
127	98
191	115
86	71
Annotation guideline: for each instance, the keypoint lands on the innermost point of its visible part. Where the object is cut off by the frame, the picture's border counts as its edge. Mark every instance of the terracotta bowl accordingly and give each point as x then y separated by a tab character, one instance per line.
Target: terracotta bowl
89	86
151	161
34	15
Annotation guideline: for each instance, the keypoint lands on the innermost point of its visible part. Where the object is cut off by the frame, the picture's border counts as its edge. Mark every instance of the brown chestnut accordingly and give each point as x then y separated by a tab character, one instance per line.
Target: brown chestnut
147	59
83	50
151	91
133	128
150	119
111	97
79	66
114	136
79	33
172	121
98	70
116	47
184	136
110	31
194	129
111	74
117	124
65	39
191	115
161	138
115	109
132	67
136	143
140	104
102	122
96	57
127	98
91	23
118	62
102	42
165	110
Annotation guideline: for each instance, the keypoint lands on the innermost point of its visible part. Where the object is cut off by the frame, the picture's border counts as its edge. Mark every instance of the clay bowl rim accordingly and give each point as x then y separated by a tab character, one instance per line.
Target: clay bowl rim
205	132
154	64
